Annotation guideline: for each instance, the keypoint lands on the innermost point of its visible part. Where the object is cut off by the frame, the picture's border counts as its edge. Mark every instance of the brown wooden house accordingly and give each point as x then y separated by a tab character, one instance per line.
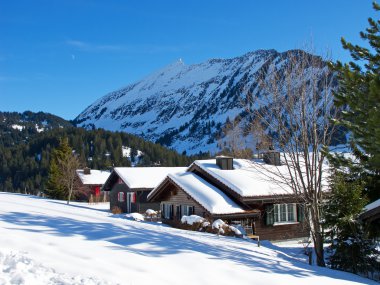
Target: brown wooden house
188	194
129	187
267	209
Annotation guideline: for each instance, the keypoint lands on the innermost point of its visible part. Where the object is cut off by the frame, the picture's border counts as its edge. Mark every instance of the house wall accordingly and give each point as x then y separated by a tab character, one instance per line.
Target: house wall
278	231
176	196
115	190
141	204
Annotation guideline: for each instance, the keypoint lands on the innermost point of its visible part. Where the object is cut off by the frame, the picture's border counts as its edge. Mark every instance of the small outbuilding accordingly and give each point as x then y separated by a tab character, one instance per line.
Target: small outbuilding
90	182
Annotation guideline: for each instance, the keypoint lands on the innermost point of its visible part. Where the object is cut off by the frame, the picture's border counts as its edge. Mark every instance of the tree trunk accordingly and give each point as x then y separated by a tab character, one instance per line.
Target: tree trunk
69	196
316	232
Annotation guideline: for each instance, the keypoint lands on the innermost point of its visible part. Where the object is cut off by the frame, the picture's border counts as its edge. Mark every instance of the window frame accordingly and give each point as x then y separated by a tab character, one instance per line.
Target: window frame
121	197
285	213
187	210
168	210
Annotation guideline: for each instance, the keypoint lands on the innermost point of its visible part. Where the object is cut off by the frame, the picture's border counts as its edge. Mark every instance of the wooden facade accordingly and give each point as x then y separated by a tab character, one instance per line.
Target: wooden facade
257	209
172	197
132	200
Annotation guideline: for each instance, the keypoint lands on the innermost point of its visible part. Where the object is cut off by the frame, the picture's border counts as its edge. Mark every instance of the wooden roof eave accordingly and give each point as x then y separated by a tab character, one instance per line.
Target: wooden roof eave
371	214
246	214
158	190
271	198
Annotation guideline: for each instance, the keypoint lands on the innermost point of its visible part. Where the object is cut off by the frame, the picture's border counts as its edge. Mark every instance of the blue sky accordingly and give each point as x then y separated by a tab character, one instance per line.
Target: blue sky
59	56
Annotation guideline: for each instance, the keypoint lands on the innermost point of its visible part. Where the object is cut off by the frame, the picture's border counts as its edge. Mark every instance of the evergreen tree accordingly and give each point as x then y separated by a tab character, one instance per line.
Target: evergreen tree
359	96
351	249
55	189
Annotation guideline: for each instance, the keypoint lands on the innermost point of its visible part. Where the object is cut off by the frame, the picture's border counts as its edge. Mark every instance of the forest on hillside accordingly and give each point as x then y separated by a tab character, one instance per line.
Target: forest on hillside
25	153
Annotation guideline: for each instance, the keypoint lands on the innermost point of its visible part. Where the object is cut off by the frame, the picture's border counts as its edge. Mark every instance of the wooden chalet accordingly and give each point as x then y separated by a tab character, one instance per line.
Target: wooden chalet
242	194
90	182
129	187
371	217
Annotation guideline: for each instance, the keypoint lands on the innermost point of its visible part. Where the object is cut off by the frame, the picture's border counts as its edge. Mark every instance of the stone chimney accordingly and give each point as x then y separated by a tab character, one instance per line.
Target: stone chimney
87	171
225	162
272	157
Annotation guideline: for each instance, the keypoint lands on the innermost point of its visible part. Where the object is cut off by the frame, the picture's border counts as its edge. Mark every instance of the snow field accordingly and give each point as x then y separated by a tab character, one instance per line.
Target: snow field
79	244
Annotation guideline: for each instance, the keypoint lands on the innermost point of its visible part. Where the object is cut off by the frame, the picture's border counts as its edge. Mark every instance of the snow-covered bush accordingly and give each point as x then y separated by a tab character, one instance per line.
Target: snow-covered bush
221	228
135	216
190	220
151	213
194	223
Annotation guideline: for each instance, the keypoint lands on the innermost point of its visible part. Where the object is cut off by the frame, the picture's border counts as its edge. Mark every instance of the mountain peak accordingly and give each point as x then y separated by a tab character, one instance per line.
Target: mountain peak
184	107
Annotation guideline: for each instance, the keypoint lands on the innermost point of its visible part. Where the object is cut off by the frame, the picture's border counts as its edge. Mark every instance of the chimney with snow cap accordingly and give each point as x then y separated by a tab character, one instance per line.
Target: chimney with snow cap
225	162
272	157
87	171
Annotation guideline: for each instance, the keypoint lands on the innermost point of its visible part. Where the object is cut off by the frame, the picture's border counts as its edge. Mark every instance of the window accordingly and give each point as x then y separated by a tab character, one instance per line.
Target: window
167	211
121	197
187	210
284	213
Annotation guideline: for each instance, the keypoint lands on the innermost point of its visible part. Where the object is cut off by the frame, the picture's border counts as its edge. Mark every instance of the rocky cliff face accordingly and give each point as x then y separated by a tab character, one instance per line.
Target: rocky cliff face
183	106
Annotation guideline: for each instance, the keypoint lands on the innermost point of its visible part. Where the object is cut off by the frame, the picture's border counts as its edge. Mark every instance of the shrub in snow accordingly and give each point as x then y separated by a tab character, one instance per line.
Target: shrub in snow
194	223
217	224
151	213
221	228
116	210
236	231
135	216
192	219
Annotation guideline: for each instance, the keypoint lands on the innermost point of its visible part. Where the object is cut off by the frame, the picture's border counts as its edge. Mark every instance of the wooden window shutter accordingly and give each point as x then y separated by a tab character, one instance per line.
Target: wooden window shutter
269	215
162	210
171	211
133	198
178	212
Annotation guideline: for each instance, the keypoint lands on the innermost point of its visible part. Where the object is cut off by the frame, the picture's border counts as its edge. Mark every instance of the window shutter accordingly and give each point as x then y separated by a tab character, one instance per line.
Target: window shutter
162	210
269	215
133	200
171	211
192	210
178	212
300	212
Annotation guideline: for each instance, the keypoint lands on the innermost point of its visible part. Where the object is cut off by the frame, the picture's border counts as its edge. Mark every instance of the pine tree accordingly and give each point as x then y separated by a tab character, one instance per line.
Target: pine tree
359	96
55	188
351	249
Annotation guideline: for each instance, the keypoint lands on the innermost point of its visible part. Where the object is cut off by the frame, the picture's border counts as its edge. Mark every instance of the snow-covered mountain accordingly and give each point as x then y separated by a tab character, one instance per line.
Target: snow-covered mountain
183	106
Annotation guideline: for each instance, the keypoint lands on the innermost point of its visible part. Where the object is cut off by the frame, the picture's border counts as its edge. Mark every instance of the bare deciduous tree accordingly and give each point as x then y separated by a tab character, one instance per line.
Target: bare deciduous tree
295	109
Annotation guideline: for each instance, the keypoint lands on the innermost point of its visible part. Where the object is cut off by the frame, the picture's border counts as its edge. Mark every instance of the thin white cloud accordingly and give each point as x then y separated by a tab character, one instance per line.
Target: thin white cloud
135	48
85	46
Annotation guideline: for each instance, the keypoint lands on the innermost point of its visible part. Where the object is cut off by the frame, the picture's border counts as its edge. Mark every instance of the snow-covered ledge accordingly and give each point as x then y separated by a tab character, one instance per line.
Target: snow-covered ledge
285	223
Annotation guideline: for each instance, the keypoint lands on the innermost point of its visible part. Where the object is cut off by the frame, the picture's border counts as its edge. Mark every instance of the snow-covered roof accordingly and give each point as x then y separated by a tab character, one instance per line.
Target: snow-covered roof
373	205
249	178
96	177
145	177
210	197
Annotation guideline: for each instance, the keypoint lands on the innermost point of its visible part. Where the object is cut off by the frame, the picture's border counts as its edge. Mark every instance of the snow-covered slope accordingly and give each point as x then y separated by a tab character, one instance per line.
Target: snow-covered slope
48	242
185	106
